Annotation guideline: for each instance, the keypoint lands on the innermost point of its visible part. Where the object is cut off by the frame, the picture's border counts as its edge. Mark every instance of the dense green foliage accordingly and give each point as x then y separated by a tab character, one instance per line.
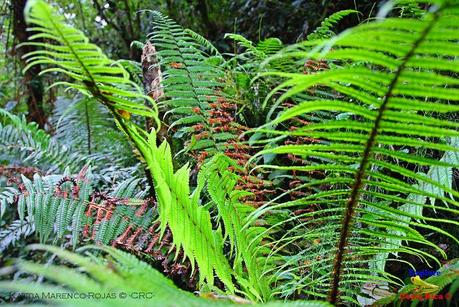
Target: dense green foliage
307	173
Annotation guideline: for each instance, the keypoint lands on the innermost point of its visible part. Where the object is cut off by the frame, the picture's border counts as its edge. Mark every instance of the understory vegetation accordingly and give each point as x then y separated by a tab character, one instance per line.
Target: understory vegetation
166	170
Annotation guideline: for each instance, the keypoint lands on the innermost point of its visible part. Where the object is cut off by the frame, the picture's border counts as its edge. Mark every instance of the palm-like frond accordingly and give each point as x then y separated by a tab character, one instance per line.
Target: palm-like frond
192	82
86	126
25	144
244	238
118	279
397	82
64	209
70	52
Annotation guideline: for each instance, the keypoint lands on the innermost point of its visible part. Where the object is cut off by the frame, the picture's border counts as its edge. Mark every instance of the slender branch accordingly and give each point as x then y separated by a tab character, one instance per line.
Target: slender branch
92	86
119	28
356	189
83	22
88	126
128	12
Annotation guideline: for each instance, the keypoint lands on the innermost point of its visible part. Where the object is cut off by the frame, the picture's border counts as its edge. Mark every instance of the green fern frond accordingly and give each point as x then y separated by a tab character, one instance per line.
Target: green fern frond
192	81
57	208
270	45
119	279
119	273
244	239
247	44
68	51
395	79
189	222
14	232
204	42
324	30
24	144
437	173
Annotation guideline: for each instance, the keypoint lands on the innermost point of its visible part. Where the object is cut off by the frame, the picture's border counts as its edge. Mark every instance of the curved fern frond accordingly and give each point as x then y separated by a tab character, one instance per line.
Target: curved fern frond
245	239
62	207
395	80
189	222
68	51
119	279
204	42
324	30
25	144
192	83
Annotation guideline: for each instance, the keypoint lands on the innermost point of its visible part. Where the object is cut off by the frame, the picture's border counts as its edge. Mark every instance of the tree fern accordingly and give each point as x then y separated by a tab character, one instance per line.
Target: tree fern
172	190
69	51
396	83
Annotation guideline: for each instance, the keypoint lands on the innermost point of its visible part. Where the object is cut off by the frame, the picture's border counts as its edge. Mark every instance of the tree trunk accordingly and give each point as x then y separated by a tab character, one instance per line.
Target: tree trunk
32	80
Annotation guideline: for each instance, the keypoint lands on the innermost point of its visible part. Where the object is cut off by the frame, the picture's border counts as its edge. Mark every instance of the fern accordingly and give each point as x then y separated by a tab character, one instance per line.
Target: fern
119	279
60	206
25	144
193	231
192	83
379	84
202	41
247	65
31	149
189	222
244	239
324	30
86	126
73	55
262	50
392	84
439	174
14	232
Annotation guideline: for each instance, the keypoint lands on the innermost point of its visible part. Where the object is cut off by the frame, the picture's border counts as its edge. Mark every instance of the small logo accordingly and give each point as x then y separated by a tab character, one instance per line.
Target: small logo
423	273
424	297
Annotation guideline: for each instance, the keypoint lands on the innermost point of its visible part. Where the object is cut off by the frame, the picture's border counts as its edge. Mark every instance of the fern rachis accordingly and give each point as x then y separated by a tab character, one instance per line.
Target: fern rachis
354	152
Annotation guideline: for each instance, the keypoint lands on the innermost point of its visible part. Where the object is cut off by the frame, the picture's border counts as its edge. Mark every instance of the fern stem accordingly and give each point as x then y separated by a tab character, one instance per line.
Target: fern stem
355	193
88	126
92	86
